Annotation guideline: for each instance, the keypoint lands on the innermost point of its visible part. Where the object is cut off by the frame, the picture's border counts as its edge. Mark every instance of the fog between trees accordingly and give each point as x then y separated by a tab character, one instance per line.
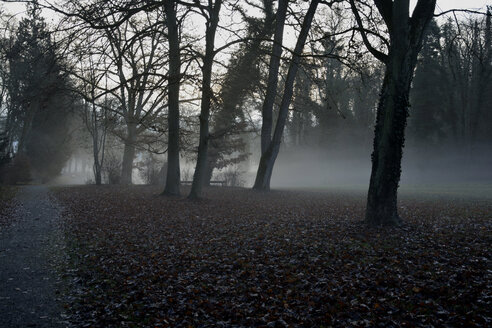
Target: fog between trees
163	92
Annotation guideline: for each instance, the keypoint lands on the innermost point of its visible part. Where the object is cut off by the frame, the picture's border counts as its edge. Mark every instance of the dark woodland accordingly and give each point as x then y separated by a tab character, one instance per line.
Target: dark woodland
257	163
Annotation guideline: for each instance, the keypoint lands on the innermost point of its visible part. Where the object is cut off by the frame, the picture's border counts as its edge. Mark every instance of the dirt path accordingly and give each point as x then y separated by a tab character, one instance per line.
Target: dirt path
29	250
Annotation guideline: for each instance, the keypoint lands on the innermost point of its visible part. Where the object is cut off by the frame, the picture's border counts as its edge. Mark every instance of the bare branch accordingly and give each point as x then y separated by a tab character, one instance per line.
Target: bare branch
376	53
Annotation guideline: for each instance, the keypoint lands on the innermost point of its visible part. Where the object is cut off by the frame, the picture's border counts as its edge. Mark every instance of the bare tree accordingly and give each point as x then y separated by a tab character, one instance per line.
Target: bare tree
405	41
113	19
271	91
6	126
267	160
95	118
211	13
173	169
139	61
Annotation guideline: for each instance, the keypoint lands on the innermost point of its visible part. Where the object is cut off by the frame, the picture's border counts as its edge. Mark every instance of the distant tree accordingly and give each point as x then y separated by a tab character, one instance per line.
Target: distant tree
152	170
334	92
487	127
304	107
90	74
148	20
452	85
227	144
428	92
454	69
479	118
40	97
5	134
365	95
138	61
98	119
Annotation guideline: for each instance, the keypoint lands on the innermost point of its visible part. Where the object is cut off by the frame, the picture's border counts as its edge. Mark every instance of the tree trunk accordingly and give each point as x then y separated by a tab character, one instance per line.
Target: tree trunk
267	160
201	164
96	167
202	161
406	36
128	155
97	175
97	164
173	169
271	92
387	154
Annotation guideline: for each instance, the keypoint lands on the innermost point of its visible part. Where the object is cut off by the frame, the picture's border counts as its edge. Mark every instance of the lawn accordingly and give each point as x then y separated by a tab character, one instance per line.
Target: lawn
278	259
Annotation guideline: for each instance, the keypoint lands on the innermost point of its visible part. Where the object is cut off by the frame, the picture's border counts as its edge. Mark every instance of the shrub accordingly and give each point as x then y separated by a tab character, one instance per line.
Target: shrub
233	176
152	171
17	171
111	168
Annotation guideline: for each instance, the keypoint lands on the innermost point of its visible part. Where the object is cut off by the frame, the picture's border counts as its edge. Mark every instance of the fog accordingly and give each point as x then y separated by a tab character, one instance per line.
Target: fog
447	171
87	129
320	168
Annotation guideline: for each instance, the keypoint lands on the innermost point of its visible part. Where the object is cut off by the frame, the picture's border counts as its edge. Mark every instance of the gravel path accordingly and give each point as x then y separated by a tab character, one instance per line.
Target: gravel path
29	250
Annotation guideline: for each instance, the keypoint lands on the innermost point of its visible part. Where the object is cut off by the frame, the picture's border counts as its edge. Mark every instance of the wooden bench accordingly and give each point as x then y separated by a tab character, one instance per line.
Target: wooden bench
213	182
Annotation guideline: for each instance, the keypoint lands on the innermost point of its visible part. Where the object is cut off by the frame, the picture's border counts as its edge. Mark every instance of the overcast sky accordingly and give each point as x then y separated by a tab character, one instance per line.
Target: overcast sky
442	5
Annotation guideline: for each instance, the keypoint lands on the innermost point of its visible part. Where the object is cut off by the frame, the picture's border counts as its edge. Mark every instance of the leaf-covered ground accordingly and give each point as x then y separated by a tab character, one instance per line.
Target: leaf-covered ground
279	259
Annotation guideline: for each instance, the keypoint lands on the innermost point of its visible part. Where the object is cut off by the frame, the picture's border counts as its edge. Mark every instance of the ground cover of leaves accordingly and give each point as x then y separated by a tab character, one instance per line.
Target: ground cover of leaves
278	259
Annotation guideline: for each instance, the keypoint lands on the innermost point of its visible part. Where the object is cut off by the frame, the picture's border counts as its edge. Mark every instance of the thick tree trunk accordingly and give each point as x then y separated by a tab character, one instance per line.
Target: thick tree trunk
201	164
267	160
406	41
208	60
173	168
387	154
265	169
128	155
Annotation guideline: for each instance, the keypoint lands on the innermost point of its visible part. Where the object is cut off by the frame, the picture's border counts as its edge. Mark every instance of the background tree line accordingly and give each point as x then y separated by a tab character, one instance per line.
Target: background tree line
151	84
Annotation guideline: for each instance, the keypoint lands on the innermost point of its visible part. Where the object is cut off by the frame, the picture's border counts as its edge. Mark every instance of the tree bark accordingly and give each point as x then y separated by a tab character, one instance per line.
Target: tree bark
406	36
271	92
92	125
386	157
201	164
97	174
128	155
267	160
95	149
173	168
